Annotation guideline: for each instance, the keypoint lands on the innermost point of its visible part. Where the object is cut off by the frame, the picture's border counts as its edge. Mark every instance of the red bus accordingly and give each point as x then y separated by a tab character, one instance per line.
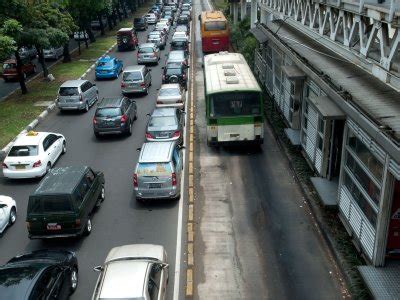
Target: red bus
214	31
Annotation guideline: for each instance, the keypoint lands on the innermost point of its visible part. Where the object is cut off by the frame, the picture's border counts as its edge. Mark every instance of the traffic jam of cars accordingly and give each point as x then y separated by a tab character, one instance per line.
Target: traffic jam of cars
65	201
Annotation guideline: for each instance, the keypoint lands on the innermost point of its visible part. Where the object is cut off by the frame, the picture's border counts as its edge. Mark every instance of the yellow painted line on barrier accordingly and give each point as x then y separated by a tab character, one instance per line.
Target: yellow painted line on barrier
189	282
191	181
190	232
191	156
191	195
190	254
191	168
191	214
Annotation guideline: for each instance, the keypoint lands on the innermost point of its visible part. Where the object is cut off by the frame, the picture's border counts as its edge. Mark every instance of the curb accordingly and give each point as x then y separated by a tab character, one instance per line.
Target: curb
45	113
315	213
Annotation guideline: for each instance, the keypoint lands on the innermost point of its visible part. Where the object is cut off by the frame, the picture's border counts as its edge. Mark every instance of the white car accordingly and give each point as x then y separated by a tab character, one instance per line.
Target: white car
165	25
180	36
81	36
151	18
171	95
33	154
133	272
8	212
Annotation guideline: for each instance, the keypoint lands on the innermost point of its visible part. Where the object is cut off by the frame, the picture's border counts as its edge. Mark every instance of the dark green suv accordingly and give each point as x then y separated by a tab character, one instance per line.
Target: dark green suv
63	203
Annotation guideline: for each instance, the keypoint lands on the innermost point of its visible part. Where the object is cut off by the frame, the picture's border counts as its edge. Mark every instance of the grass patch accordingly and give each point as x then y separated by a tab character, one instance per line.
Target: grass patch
18	110
220	4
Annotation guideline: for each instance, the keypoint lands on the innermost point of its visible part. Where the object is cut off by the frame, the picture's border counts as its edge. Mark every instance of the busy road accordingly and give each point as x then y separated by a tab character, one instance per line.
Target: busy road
121	219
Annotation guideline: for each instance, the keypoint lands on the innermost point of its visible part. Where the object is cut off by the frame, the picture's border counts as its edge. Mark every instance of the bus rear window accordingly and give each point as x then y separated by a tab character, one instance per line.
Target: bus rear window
214	25
235	104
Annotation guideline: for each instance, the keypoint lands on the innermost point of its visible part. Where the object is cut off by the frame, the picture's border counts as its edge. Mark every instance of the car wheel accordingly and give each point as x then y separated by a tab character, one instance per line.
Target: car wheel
135	118
48	167
13	216
88	227
129	132
74	280
64	148
87	106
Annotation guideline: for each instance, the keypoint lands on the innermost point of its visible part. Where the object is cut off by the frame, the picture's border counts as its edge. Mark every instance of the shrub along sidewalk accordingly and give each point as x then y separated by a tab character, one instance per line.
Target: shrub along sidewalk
18	110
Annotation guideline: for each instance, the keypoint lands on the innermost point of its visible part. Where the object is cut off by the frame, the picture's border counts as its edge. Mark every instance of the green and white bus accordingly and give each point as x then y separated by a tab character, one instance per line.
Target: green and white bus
234	105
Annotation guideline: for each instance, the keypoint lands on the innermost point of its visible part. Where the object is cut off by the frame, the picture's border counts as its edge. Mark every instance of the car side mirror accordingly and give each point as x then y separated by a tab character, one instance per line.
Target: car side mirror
138	149
98	268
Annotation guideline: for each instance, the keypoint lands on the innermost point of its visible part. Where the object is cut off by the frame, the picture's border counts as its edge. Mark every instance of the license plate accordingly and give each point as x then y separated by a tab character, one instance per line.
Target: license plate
163	135
234	135
53	226
20	167
155	185
215	42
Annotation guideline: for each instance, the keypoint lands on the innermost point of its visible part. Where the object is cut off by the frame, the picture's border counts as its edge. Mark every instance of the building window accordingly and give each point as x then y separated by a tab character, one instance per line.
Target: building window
369	186
320	142
321	125
366	156
363	204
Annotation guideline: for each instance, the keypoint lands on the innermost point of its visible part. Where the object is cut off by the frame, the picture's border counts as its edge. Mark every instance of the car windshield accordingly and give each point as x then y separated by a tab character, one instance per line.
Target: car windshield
174	71
69	91
105	64
146	50
108	112
154	169
29	150
162	121
138	20
132	76
215	25
50	204
9	66
179	43
169	92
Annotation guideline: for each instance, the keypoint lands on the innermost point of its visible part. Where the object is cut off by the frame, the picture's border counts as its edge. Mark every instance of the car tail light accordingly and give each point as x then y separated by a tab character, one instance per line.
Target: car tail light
78	222
4	166
37	164
173	179
122	84
177	134
124	118
149	135
142	84
94	120
135	182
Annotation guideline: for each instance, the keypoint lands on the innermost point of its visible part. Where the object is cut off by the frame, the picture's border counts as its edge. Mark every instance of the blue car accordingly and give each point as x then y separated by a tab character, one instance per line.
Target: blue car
108	67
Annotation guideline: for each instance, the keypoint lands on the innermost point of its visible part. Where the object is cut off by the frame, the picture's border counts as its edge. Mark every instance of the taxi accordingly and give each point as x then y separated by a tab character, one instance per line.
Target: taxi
33	154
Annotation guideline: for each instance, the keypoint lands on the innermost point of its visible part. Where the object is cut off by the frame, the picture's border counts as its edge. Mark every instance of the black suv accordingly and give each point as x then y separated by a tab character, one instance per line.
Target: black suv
42	274
174	73
114	115
140	23
63	203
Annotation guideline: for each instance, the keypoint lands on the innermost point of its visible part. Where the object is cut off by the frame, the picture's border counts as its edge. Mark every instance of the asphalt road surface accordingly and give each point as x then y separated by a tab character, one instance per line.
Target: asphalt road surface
121	219
255	237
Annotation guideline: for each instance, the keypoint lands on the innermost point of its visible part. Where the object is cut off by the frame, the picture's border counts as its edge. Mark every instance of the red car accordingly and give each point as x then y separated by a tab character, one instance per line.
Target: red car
127	39
10	69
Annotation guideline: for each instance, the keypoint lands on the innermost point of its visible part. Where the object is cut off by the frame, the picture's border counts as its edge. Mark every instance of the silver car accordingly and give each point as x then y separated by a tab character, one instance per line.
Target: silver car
157	38
158	172
151	18
25	52
77	95
53	53
133	272
136	79
176	57
171	95
148	53
166	124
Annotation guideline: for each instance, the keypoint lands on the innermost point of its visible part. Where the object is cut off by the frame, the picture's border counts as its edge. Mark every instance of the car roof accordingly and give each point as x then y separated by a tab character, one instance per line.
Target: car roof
170	86
154	152
60	180
134	68
137	250
31	138
164	112
18	280
73	83
176	53
110	102
125	29
144	45
124	280
105	59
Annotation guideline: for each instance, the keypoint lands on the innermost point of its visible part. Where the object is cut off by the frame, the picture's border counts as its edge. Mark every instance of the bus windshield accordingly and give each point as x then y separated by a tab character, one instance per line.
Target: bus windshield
235	104
214	25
